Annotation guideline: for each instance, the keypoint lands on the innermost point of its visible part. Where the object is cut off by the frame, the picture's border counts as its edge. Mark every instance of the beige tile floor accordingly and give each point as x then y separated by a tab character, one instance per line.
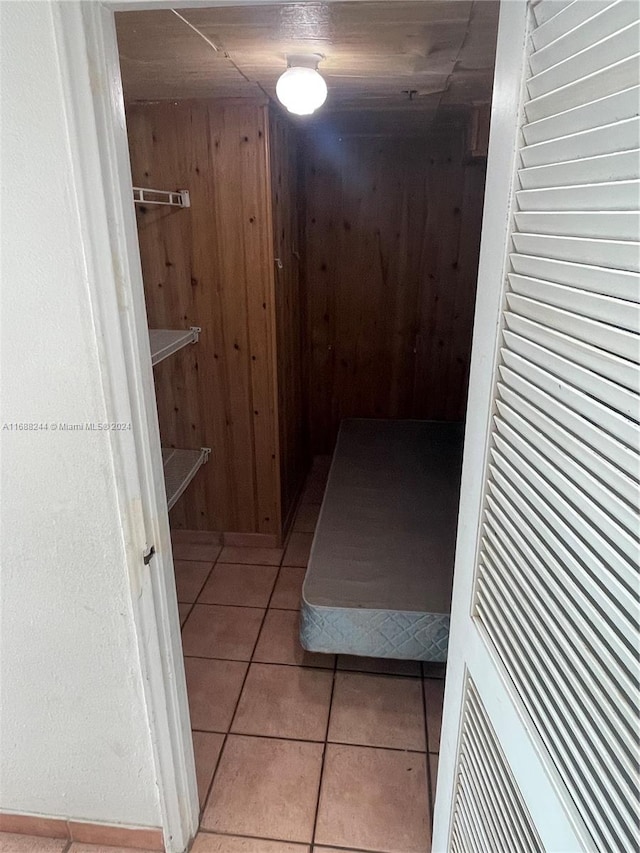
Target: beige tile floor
295	752
320	753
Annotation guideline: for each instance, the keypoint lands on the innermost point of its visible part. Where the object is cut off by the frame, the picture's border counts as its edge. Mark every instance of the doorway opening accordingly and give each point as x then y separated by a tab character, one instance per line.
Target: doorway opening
299	273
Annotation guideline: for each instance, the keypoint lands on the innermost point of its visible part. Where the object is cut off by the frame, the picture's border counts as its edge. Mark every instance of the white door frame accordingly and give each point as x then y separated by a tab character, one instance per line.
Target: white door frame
88	56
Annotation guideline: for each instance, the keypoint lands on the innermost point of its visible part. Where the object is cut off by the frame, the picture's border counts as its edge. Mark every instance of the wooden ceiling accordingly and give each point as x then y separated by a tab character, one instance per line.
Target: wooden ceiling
441	51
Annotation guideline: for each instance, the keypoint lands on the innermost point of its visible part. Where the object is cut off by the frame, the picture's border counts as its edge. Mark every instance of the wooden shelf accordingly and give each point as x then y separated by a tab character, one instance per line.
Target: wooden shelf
164	342
180	467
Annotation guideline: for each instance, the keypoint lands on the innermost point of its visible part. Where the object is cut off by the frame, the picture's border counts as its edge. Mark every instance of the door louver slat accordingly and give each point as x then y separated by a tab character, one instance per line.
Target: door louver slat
554	41
606	81
610	366
619	400
620	284
577	568
603	429
592	142
489	812
606	167
574	59
617	254
602	112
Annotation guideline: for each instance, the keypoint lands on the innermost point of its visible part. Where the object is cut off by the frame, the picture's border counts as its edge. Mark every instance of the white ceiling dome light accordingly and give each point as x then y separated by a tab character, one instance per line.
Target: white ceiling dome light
302	89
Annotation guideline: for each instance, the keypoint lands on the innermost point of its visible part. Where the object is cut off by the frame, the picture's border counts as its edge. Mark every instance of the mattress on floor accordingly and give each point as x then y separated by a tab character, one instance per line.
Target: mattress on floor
380	571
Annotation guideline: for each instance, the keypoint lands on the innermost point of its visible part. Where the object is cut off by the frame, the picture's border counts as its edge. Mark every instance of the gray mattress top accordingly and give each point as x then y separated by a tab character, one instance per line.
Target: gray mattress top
385	537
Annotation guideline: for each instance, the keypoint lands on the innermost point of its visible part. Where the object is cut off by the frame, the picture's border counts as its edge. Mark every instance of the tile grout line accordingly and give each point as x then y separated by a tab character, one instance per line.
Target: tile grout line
244	680
226	734
235	710
324	755
220	834
193	603
224	739
309	740
427	762
310	666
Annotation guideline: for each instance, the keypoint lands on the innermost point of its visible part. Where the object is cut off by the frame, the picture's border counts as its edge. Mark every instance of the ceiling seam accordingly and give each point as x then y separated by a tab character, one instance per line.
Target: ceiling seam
460	49
221	50
196	30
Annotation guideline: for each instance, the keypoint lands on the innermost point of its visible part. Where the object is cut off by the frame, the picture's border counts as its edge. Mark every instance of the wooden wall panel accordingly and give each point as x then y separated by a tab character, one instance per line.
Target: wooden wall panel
211	265
286	211
392	233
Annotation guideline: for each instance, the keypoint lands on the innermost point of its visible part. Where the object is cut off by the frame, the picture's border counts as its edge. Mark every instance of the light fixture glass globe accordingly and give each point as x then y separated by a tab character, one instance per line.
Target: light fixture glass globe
301	90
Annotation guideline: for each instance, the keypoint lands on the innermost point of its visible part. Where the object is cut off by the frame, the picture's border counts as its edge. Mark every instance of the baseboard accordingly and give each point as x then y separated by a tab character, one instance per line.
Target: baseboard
144	838
251	540
195	537
207	538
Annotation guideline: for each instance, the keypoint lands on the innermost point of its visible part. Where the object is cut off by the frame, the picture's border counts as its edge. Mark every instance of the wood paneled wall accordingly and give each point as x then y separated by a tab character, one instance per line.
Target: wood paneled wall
286	207
392	231
211	265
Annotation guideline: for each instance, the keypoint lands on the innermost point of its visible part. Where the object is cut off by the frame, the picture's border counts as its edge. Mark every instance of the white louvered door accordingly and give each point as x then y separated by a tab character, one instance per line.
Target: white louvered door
540	737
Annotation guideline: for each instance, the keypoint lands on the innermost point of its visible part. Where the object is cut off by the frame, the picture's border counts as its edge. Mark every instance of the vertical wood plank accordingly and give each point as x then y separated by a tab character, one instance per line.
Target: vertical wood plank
210	265
392	227
286	207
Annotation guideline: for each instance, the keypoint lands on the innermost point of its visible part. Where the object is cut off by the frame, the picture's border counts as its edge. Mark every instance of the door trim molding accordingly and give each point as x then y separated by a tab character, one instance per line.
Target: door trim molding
101	175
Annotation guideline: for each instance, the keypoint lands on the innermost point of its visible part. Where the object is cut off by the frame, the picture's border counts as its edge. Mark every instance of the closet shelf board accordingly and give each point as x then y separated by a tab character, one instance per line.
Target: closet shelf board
164	342
180	467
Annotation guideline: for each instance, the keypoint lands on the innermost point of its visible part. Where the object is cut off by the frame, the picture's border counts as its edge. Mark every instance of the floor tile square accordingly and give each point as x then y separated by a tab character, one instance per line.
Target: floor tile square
251	556
213	688
265	787
209	843
377	710
195	551
206	747
386	666
190	578
234	583
434	698
288	590
374	799
14	843
32	826
279	642
306	518
298	549
285	702
218	631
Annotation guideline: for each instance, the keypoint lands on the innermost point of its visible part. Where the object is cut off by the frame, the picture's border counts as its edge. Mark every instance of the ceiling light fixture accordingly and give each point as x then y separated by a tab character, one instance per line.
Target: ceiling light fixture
302	89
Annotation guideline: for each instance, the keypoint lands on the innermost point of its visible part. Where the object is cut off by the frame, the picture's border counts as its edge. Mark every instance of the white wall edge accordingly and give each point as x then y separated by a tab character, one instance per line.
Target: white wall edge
88	56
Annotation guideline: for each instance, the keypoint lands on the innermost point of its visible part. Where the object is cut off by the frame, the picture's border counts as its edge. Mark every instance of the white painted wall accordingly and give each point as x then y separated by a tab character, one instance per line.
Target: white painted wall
74	733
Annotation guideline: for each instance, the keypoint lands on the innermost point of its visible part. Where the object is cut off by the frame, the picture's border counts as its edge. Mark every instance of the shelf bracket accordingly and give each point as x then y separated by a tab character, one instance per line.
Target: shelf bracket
207	453
172	198
196	333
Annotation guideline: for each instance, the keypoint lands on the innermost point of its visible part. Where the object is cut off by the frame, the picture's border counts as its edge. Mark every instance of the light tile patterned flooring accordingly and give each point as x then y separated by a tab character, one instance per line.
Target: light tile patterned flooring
295	752
299	752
